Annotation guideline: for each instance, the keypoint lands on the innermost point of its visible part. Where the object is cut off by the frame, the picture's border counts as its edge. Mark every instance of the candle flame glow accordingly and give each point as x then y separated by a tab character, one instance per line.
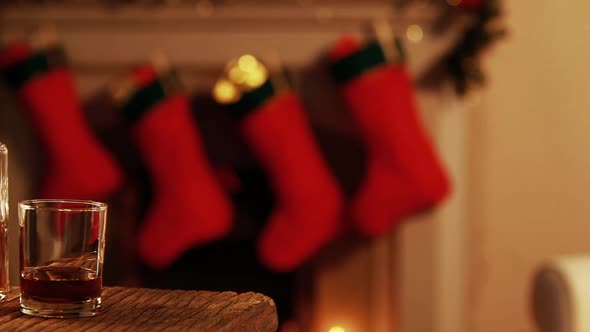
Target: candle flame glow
336	329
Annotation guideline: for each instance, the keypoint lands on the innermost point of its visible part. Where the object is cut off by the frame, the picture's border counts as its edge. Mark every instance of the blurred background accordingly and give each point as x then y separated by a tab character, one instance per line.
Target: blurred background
512	144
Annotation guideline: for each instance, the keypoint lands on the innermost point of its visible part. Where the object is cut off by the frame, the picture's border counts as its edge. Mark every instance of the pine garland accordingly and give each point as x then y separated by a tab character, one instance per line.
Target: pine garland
463	61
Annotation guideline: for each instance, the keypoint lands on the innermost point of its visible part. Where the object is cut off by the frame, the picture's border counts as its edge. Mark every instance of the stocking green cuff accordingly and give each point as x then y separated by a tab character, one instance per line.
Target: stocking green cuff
355	64
38	63
251	100
146	97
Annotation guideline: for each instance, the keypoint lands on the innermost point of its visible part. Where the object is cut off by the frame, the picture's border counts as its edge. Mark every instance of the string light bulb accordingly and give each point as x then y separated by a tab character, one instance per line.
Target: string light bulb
237	75
256	78
225	92
414	33
247	63
241	75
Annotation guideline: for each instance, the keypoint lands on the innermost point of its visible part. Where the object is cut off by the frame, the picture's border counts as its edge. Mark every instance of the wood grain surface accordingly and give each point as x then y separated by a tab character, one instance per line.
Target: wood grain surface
141	309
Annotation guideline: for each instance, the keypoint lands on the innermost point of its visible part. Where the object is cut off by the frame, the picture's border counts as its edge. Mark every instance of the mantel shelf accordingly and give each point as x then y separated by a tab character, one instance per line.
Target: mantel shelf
103	40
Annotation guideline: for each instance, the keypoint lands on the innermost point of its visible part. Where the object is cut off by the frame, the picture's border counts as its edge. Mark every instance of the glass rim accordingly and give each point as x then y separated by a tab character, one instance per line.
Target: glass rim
87	205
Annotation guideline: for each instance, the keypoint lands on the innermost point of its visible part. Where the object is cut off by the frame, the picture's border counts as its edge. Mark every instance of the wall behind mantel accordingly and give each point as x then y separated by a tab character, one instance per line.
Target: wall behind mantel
531	156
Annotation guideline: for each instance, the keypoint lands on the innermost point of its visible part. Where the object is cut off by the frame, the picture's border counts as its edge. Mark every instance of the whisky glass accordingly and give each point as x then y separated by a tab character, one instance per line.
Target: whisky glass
4	284
62	252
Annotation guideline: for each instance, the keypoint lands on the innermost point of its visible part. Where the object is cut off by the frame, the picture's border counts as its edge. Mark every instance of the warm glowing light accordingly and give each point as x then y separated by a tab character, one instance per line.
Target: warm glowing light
247	73
336	329
414	33
241	75
237	75
256	78
225	92
247	63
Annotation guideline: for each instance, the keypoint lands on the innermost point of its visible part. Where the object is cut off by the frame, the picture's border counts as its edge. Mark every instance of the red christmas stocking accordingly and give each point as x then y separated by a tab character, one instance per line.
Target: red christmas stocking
308	197
189	206
77	165
404	174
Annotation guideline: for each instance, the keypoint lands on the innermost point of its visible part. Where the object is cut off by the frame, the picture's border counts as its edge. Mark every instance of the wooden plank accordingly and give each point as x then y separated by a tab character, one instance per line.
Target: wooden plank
140	309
